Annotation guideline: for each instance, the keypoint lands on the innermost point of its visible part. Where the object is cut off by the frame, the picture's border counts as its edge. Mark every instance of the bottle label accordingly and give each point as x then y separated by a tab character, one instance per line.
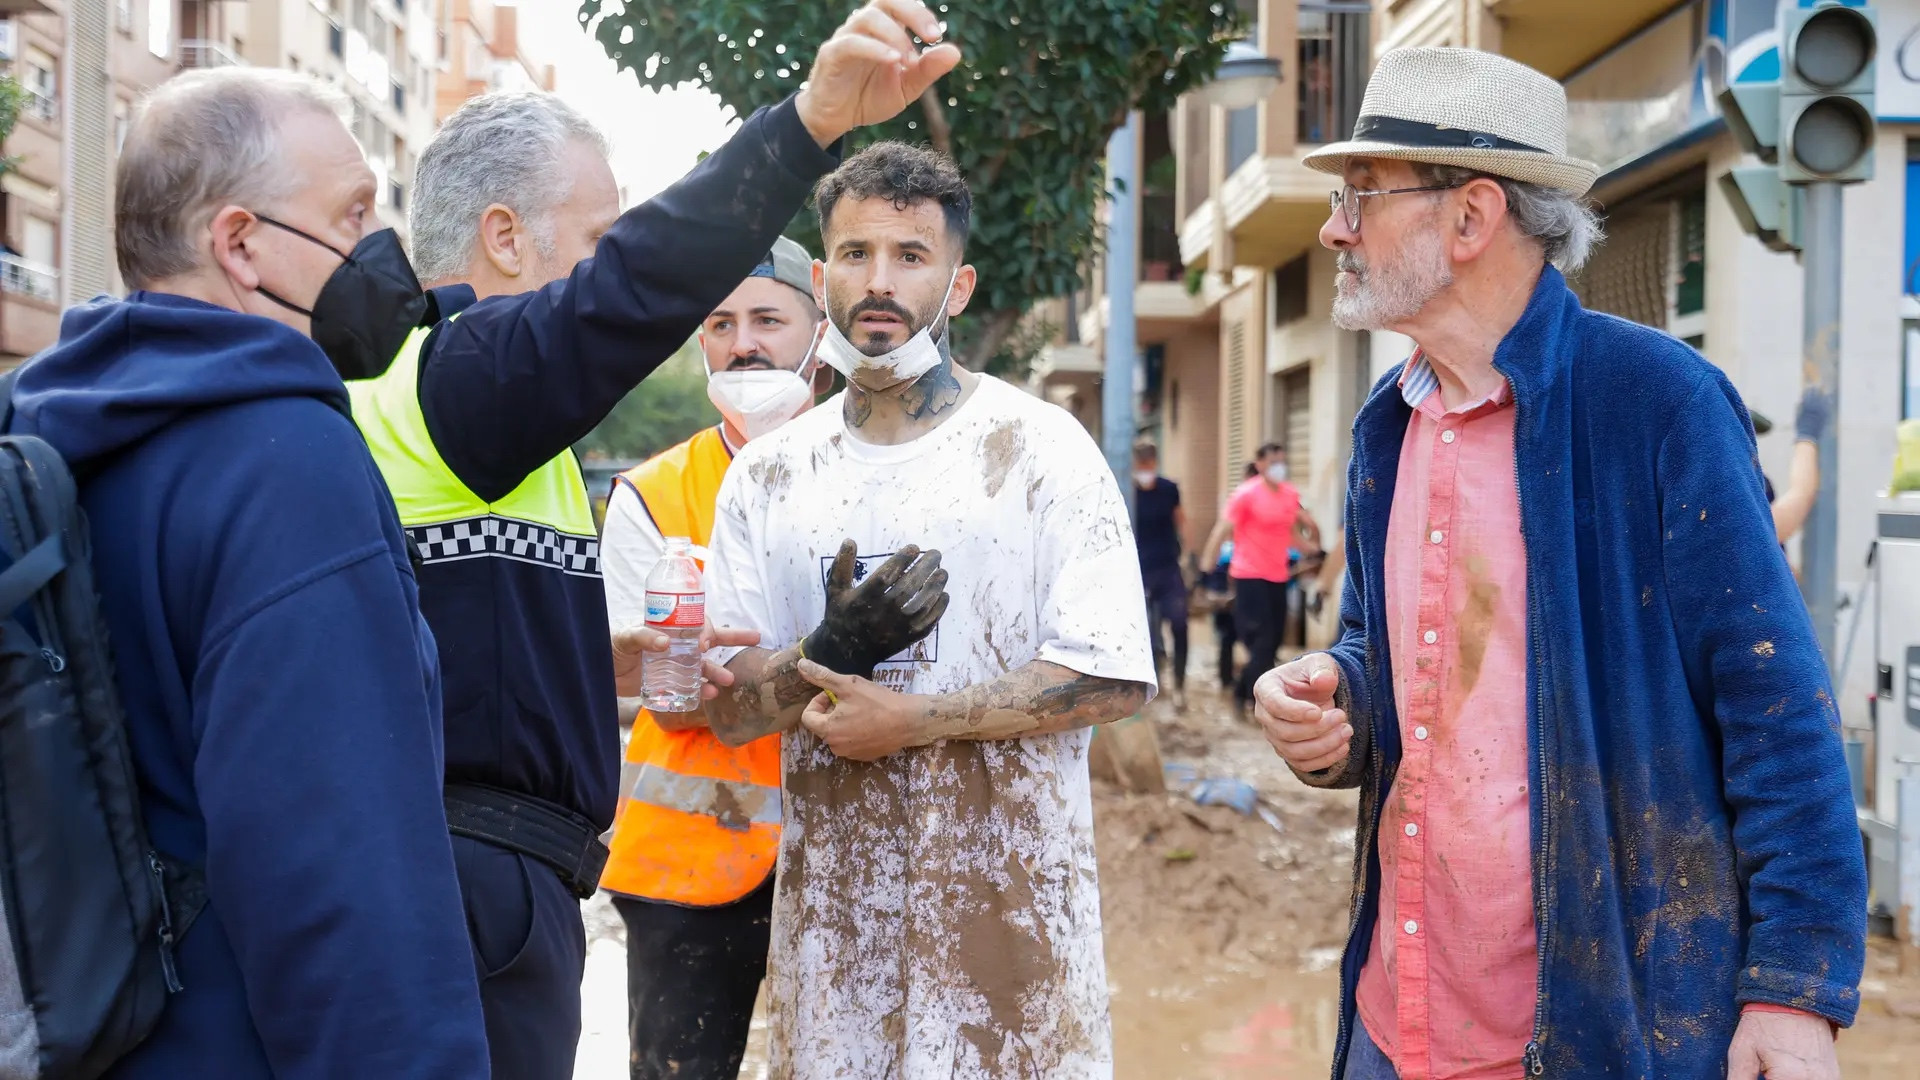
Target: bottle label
676	610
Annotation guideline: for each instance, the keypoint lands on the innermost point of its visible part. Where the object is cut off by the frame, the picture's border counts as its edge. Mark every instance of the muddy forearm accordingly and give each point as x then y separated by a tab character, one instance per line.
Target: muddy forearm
767	696
1037	699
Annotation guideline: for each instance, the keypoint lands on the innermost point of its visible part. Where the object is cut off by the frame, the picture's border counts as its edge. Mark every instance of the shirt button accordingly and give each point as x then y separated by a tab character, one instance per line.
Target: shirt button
1413	830
1436	536
1430	637
1447	436
1420	733
1412	927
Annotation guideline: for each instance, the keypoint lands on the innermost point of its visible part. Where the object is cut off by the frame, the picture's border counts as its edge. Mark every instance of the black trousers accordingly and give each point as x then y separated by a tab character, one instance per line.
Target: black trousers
692	976
1260	617
1167	603
531	951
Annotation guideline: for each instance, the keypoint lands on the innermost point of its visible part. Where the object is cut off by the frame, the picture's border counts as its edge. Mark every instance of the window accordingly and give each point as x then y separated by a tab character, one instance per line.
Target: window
120	111
160	28
37	241
336	40
399	98
123	16
1691	283
1910	362
1290	292
42	87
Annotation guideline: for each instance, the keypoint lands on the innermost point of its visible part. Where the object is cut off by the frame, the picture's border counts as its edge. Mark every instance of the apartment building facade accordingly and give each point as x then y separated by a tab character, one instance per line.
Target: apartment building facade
481	53
1247	334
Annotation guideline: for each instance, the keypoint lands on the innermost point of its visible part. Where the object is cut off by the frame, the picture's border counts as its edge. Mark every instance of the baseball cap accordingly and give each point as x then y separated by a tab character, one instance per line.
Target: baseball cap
789	264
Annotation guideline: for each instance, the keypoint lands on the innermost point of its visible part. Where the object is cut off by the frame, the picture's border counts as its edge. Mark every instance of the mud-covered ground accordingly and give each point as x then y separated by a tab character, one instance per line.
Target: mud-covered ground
1223	930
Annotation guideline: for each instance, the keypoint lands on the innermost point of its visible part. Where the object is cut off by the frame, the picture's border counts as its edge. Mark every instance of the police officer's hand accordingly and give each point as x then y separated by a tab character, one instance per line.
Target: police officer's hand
870	70
897	604
631	645
1294	705
857	718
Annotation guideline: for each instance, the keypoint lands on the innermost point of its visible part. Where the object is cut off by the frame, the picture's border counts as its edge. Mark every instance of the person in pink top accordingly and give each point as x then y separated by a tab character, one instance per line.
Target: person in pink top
1266	522
1605	820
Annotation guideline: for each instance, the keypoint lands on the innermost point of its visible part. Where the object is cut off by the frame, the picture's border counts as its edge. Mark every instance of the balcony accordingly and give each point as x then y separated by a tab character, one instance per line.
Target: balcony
30	279
207	54
1561	36
41	106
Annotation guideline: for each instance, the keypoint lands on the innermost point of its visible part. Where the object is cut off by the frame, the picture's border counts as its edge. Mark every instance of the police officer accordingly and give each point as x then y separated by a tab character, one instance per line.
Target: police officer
699	823
552	309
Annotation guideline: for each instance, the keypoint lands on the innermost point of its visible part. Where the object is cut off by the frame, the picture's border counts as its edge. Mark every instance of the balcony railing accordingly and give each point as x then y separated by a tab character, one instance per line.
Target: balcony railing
42	107
24	278
207	54
1335	58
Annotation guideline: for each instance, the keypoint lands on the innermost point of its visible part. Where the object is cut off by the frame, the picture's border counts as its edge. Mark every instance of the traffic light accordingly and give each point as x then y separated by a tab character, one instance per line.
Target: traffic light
1827	69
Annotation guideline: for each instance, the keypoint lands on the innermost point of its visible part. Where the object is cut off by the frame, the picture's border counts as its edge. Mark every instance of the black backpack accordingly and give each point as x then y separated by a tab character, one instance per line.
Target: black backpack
91	911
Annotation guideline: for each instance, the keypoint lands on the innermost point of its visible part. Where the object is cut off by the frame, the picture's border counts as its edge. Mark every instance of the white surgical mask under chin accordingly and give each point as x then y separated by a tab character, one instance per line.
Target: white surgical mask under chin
756	401
915	357
1145	477
1277	473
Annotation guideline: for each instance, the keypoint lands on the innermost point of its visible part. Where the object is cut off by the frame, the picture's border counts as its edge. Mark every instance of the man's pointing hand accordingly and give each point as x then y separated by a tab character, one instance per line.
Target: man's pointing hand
870	70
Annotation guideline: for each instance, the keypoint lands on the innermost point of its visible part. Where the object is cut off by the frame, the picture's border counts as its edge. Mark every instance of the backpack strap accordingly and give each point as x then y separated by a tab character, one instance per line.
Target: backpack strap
31	572
6	402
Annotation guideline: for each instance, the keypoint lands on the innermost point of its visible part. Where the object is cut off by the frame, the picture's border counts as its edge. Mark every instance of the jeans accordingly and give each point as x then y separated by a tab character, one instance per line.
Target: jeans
1364	1059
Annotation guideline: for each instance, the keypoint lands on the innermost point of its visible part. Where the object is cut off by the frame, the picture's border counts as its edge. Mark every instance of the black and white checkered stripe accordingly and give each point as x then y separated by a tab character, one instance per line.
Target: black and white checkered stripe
495	537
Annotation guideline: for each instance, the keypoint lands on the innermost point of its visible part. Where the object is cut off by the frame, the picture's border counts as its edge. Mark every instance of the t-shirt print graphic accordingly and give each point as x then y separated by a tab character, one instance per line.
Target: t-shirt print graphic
924	651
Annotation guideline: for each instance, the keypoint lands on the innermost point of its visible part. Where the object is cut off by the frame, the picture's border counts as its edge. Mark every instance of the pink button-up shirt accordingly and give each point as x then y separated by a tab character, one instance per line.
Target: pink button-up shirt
1448	988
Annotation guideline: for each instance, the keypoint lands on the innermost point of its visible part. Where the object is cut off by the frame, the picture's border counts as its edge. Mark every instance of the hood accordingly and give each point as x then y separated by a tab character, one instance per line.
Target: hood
124	369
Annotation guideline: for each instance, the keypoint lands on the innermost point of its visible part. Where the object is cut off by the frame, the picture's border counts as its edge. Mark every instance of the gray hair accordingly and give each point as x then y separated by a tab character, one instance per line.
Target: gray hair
1566	227
200	141
503	148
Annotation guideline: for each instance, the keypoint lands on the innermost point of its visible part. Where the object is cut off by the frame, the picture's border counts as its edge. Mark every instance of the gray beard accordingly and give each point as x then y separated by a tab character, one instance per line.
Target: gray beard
1385	295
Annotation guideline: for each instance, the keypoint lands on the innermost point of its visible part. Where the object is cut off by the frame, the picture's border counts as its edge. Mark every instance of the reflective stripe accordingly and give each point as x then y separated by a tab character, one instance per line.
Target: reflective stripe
493	536
735	805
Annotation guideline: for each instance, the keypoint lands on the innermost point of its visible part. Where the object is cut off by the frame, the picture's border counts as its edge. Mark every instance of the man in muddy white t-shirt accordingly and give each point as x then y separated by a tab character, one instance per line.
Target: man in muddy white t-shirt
938	910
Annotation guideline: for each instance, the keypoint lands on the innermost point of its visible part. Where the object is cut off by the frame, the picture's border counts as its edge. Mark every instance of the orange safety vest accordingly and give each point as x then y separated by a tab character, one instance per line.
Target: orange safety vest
699	821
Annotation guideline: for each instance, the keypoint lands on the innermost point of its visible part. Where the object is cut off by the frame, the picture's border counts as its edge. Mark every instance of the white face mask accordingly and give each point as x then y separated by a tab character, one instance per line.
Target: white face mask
759	401
1145	477
1277	472
912	359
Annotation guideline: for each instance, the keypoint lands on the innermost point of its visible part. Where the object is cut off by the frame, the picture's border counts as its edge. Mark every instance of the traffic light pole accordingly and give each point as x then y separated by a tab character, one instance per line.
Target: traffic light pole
1821	241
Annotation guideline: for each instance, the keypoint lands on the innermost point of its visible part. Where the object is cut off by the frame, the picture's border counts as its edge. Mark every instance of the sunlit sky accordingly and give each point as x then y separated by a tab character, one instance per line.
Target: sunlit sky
657	136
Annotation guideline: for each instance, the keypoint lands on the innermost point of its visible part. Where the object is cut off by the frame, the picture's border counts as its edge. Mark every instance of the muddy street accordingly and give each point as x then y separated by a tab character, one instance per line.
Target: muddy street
1223	931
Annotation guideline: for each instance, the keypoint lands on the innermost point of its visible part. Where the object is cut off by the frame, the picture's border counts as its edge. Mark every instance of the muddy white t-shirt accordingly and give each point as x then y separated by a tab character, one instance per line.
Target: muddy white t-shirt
938	911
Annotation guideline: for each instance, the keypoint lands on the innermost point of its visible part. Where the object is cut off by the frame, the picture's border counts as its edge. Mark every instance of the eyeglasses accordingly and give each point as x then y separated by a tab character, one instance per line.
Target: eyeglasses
1347	200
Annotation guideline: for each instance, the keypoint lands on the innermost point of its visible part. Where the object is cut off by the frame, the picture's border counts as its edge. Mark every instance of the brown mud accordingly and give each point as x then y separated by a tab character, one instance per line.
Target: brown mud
1223	933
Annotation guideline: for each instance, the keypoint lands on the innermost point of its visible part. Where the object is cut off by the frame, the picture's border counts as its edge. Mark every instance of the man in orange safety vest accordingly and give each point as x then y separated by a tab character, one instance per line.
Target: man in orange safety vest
698	828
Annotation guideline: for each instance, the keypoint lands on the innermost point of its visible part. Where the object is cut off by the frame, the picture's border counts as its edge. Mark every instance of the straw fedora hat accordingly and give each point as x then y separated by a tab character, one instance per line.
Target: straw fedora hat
1467	108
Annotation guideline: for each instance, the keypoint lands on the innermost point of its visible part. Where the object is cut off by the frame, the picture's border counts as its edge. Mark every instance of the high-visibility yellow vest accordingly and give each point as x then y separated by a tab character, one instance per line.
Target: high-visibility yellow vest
699	821
547	520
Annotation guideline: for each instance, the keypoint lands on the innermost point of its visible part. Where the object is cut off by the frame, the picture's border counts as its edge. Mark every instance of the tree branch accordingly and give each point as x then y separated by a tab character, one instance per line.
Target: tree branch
939	132
993	331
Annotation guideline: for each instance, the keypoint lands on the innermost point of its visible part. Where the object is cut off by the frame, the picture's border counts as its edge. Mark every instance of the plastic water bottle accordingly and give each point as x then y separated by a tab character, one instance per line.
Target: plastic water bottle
677	607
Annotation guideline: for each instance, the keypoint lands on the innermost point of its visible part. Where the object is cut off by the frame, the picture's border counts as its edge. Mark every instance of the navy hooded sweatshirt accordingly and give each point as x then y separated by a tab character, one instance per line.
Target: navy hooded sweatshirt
282	693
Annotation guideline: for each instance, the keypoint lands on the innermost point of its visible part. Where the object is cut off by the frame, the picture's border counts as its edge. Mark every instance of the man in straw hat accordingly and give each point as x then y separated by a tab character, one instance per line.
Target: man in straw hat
1605	825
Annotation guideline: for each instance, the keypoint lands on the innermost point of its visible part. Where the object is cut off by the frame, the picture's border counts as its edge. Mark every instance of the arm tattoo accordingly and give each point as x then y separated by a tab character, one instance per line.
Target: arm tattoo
1037	699
767	696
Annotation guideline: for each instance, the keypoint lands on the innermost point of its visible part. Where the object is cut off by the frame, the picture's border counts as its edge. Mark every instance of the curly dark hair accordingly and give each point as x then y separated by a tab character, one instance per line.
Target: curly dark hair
905	174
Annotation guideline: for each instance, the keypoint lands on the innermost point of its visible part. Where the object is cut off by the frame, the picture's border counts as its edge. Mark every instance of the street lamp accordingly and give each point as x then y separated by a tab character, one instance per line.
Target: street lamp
1246	77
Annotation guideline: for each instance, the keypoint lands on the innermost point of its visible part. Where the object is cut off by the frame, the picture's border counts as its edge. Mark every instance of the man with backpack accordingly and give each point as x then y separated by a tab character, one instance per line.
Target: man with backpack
281	691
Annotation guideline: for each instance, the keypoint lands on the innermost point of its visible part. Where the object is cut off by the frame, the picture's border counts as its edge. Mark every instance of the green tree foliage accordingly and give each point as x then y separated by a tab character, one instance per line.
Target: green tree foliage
13	97
666	409
1027	114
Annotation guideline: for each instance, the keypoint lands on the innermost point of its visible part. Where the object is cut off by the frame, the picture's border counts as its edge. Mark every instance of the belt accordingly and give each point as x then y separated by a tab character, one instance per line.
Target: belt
533	827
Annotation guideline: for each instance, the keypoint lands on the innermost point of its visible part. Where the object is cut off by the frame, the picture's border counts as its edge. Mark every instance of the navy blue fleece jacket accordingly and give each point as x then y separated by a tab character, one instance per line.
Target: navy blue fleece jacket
282	693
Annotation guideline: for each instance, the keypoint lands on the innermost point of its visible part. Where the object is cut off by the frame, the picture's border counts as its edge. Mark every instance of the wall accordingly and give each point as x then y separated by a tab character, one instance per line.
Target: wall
1189	442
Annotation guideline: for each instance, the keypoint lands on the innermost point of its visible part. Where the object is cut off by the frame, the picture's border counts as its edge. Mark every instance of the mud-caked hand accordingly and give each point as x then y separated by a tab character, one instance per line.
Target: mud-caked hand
897	604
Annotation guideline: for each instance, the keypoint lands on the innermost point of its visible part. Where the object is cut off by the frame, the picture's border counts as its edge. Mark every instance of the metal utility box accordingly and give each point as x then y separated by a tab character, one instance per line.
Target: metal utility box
1893	747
